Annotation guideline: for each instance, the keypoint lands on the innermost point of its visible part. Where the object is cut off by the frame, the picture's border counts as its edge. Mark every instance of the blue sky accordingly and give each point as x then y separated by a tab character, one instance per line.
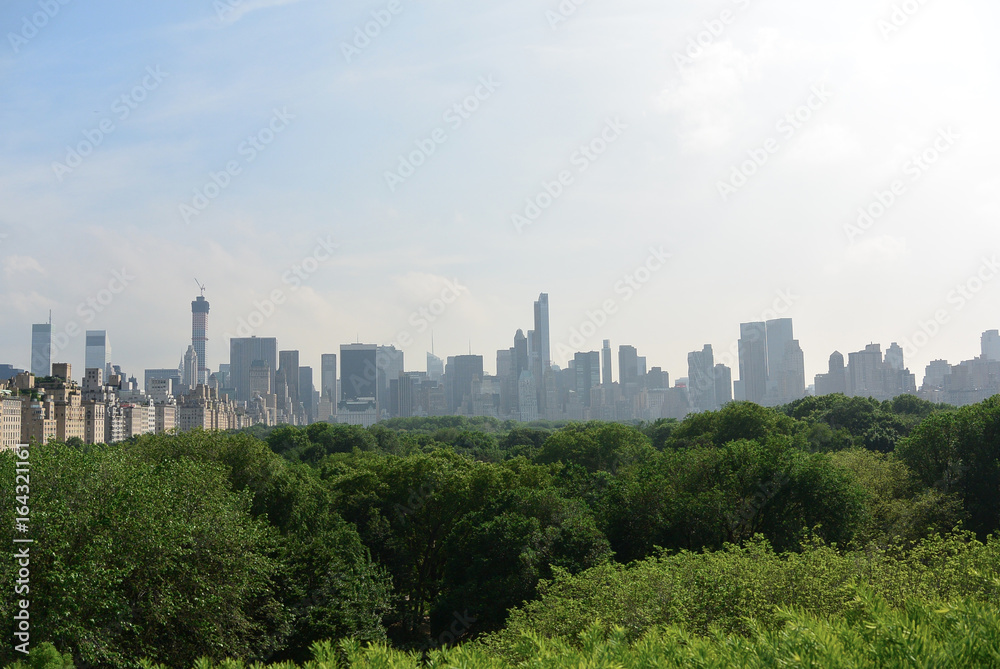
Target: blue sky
889	87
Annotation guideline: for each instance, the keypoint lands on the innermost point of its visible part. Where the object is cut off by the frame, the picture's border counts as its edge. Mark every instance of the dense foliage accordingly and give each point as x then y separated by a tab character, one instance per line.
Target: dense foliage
730	536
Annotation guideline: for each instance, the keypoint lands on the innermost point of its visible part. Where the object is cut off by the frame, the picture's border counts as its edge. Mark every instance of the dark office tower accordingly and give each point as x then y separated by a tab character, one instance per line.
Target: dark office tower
199	336
628	369
41	349
243	353
358	372
701	379
328	377
606	364
288	366
657	379
520	354
723	385
306	392
753	361
835	380
542	330
466	370
587	367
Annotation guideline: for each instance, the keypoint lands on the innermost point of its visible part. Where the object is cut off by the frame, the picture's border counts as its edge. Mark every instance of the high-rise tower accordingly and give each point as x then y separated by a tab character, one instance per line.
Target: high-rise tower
199	333
41	349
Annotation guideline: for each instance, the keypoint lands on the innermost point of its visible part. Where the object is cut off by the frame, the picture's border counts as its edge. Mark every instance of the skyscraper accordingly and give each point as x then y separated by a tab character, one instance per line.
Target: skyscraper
358	372
587	367
753	361
191	367
389	361
542	331
606	364
628	369
41	349
467	369
991	345
779	336
306	392
199	336
701	379
723	385
435	367
328	377
243	353
98	351
288	368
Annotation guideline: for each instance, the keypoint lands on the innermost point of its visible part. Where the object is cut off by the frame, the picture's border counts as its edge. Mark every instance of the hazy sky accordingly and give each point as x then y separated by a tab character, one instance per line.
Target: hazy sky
235	141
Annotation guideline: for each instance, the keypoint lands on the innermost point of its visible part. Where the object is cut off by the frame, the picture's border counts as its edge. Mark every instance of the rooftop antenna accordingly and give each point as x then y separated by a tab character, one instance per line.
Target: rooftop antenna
50	317
432	342
201	286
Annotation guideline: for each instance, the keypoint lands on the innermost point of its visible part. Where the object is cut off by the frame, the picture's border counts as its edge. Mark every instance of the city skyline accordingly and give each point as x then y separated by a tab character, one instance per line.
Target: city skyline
688	171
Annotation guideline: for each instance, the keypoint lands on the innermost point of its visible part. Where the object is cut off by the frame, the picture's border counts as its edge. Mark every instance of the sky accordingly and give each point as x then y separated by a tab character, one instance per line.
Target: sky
385	172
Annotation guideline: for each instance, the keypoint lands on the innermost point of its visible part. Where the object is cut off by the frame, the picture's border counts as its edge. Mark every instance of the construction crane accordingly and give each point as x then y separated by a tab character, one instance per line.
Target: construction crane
201	286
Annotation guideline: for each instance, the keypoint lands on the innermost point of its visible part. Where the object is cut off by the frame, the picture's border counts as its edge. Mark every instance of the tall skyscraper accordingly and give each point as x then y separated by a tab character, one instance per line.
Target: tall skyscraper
41	349
753	362
701	379
779	336
288	367
98	351
723	385
243	352
521	362
328	377
466	370
894	357
835	380
191	367
358	372
542	330
389	361
628	369
199	336
587	367
606	363
306	392
435	367
991	345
